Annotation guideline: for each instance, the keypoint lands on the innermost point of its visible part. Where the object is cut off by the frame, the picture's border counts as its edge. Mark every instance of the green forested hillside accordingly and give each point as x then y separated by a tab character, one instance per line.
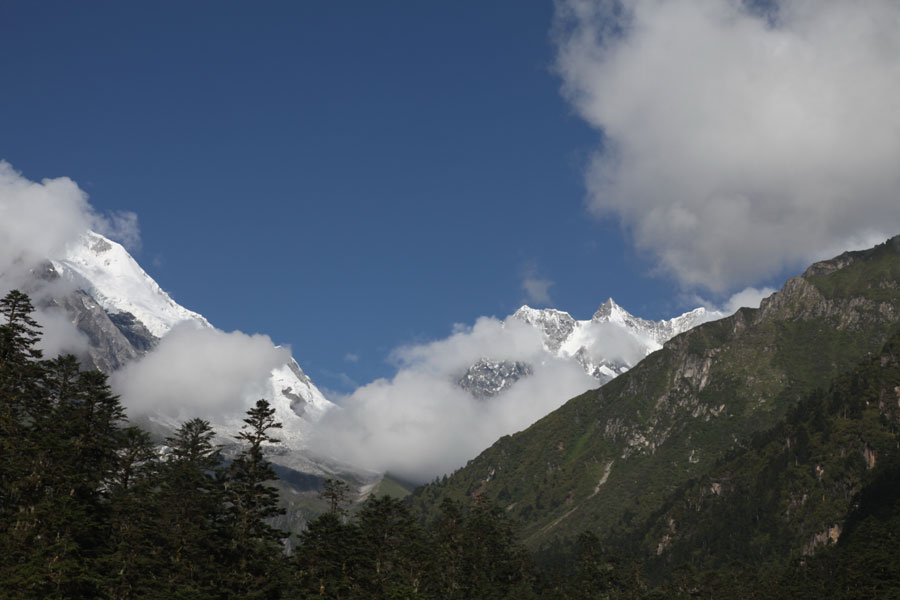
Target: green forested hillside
795	489
608	459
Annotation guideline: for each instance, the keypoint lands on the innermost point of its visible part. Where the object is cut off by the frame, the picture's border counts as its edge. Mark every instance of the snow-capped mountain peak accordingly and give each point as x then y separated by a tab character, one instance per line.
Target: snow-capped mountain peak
107	272
556	325
104	272
658	331
612	341
610	311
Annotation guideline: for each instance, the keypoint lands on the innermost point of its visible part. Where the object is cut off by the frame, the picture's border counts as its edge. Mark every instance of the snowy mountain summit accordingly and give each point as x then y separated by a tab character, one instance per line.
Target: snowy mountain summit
613	340
125	315
605	346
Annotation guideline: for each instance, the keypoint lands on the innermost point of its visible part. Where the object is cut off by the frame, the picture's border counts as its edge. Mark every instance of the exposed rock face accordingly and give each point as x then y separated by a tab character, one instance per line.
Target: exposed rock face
487	378
830	535
134	331
114	339
110	346
556	325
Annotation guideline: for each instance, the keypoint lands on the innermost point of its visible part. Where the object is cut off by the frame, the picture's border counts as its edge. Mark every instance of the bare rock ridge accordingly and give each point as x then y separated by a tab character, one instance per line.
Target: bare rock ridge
487	378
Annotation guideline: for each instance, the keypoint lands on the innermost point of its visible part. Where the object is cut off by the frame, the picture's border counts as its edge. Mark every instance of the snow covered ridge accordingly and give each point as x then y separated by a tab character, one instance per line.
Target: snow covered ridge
613	340
106	271
605	346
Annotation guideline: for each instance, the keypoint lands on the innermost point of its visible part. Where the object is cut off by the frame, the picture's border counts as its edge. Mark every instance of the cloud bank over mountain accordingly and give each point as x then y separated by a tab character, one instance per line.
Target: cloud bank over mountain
194	371
420	423
39	219
738	140
200	371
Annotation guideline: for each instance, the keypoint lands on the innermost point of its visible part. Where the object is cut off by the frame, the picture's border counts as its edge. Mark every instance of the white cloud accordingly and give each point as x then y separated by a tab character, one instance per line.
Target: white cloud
612	342
420	424
350	357
737	144
537	291
121	226
38	220
536	288
58	334
199	372
749	297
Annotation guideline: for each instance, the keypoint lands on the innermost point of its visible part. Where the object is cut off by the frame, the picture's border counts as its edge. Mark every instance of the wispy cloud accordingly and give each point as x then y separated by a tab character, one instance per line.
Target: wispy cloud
123	227
536	288
735	143
350	357
749	297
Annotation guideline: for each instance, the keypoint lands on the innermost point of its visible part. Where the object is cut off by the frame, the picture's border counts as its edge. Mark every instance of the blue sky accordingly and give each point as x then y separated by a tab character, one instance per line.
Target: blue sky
352	177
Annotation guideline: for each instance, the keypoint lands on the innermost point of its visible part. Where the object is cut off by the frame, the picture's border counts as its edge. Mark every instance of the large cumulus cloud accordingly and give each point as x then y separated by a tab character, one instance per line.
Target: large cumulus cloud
739	138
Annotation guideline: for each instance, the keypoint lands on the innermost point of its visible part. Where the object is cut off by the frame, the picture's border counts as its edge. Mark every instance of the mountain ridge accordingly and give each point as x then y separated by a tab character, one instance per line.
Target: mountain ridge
605	346
611	455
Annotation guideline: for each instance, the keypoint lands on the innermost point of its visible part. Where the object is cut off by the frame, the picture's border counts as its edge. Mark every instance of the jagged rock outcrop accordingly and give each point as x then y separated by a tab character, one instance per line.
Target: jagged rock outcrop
487	378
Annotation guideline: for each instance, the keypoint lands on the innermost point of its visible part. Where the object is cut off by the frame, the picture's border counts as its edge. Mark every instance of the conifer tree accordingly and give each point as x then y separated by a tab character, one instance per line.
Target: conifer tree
335	493
20	332
19	385
448	537
255	544
327	558
133	562
394	547
494	563
191	509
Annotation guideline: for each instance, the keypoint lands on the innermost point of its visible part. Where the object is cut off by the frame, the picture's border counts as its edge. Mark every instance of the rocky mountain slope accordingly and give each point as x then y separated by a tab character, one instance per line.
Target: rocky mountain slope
611	457
789	493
